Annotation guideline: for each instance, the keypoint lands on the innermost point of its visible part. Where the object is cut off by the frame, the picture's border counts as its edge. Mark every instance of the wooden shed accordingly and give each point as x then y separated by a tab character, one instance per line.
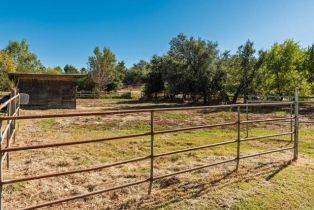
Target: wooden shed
48	91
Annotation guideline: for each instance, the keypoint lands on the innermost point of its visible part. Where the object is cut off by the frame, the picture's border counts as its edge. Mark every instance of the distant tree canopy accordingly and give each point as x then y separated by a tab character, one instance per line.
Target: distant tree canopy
192	68
6	65
102	67
195	68
69	69
137	74
24	60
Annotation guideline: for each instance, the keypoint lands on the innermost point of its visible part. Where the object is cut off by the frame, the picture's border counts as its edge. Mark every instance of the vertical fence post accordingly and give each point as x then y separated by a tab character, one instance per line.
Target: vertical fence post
1	185
19	106
14	110
291	122
238	136
247	118
151	152
296	125
9	124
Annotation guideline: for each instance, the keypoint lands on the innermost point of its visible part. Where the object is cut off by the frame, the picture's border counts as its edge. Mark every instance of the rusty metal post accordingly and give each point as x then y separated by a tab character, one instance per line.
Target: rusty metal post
238	136
291	122
296	124
247	118
151	152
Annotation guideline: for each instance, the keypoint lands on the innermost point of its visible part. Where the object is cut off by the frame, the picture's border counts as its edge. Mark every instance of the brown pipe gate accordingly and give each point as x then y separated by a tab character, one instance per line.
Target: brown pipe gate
4	151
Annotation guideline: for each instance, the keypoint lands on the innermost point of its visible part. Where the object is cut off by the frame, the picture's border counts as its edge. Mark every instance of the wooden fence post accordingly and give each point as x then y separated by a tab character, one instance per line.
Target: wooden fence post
1	185
9	132
296	124
238	136
151	152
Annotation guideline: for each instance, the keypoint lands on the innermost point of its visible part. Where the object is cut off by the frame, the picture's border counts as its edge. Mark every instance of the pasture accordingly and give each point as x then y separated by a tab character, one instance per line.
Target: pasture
270	181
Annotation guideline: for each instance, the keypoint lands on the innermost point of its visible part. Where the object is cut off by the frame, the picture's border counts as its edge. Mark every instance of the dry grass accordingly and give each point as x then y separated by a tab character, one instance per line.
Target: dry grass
258	181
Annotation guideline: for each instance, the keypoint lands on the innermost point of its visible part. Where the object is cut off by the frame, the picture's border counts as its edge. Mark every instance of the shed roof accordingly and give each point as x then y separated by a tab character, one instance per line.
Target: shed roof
36	76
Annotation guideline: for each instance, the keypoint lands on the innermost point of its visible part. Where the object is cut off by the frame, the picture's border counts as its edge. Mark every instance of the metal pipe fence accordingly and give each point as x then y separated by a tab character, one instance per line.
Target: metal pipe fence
152	133
12	107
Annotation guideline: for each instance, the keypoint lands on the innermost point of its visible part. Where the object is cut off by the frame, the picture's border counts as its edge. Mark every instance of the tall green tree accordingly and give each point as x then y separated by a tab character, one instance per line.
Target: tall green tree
308	64
6	65
197	59
25	60
69	69
102	67
154	82
284	69
137	74
119	75
244	67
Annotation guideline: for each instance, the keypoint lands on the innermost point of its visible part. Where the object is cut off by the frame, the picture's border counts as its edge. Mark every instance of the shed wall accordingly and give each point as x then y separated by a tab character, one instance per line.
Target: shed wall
49	93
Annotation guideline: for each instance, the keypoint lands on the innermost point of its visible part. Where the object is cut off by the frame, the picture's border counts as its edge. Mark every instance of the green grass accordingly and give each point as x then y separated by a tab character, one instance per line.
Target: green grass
175	115
292	187
18	186
47	123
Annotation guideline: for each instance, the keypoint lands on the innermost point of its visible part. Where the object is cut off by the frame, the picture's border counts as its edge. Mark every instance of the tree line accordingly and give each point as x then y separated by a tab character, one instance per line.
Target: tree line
195	68
192	68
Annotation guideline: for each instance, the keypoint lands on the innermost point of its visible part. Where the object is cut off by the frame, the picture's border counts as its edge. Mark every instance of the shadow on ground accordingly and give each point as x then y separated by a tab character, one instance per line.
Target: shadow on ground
174	193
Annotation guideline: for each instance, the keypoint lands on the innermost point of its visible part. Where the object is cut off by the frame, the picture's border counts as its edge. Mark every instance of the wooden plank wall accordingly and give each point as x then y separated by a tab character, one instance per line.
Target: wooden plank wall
49	94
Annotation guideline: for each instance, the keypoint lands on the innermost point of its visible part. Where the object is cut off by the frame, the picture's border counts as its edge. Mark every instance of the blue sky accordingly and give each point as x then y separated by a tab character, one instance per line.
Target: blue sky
66	31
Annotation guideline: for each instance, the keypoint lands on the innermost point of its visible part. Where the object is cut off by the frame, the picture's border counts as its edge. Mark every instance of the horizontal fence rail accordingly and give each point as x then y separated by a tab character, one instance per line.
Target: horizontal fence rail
5	151
82	114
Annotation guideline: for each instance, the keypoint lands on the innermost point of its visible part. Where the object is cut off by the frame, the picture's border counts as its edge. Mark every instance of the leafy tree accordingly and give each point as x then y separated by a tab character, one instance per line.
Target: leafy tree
243	71
119	75
25	60
55	70
6	65
155	83
83	71
69	69
102	67
308	64
86	83
284	69
197	59
220	77
137	74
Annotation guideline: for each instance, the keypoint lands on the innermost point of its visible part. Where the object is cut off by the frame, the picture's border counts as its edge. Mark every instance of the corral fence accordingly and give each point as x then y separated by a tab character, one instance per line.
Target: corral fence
10	108
87	94
151	177
305	104
93	94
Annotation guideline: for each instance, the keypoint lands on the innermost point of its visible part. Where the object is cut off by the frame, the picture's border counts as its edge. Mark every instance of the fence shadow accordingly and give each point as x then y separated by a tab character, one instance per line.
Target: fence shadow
188	190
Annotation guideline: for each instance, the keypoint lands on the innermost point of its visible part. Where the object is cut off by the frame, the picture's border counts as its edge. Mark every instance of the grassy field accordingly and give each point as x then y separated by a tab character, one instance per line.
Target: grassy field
266	182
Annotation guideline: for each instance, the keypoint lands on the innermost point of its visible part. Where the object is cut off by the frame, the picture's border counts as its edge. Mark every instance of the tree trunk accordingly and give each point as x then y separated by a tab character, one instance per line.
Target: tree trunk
235	96
205	95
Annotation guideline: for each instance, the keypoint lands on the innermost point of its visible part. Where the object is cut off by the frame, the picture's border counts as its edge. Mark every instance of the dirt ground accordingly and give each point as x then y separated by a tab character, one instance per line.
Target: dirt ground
219	187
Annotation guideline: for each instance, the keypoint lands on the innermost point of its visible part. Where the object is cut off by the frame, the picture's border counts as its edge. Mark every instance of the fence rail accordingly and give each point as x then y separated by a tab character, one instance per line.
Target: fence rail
152	133
87	94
